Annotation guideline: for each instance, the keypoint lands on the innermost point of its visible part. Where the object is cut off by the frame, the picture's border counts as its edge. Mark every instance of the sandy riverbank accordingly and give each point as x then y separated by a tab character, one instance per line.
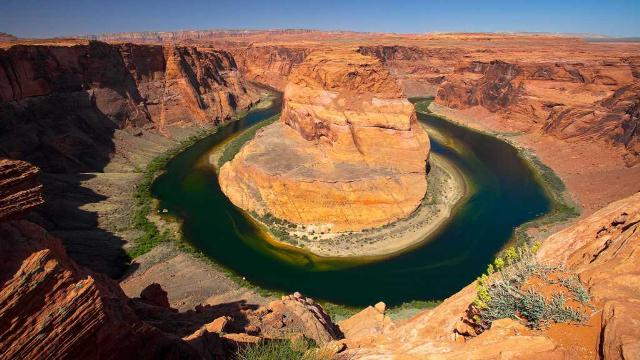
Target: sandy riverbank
446	188
594	174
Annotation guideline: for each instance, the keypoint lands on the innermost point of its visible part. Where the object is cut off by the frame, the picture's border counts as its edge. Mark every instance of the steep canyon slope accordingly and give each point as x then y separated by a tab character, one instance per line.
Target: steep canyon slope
573	103
91	115
70	98
347	153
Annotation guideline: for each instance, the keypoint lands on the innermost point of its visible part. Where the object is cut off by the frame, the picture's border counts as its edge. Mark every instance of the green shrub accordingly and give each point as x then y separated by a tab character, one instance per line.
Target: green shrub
499	292
275	350
557	311
577	290
532	307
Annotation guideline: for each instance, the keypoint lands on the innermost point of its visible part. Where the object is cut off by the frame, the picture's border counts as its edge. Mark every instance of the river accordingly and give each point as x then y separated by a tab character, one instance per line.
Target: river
504	194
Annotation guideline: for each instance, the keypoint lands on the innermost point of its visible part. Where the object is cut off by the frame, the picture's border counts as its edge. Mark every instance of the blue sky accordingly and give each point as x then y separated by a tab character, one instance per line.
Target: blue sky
42	18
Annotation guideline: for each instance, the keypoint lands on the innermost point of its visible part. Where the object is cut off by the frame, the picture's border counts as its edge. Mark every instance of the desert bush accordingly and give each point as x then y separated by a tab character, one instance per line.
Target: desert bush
500	293
575	286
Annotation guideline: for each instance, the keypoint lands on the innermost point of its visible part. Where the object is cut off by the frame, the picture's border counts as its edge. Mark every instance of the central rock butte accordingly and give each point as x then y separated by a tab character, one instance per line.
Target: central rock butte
347	154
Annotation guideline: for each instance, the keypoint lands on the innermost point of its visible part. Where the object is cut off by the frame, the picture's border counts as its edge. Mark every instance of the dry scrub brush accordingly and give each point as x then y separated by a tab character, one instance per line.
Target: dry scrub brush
517	286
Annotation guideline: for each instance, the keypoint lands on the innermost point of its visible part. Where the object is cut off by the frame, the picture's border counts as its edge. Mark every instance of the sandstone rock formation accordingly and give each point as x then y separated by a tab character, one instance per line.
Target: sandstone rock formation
92	115
296	314
571	101
20	188
69	100
50	307
419	70
269	64
601	249
347	153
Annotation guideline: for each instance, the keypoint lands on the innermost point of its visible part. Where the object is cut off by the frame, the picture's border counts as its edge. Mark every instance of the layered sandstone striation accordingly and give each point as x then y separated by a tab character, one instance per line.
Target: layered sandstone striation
574	101
91	115
20	189
268	64
49	306
347	153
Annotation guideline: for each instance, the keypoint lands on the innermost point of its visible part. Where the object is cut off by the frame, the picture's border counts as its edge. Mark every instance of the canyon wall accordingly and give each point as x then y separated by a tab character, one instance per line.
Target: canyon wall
21	190
60	105
269	64
420	71
347	153
572	101
91	115
51	307
562	87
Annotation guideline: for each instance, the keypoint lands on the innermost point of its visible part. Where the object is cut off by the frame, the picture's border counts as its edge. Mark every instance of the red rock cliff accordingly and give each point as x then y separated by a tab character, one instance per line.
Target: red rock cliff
52	308
269	65
60	104
570	101
20	190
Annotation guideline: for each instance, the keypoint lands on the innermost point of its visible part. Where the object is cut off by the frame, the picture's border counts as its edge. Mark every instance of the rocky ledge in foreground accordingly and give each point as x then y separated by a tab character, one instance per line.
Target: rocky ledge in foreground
347	153
53	308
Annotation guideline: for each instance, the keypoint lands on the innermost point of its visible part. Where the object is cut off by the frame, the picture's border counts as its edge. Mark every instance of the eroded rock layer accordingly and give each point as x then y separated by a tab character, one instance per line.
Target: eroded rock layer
568	100
60	104
92	115
51	307
20	190
347	154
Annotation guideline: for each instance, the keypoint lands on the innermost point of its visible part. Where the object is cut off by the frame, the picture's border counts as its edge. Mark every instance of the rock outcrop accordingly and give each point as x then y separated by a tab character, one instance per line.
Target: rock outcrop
296	314
420	71
616	119
601	249
347	153
50	307
20	190
269	65
91	115
574	102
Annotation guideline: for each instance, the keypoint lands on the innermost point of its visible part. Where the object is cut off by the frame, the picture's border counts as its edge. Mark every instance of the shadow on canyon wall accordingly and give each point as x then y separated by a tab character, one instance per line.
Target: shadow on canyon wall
70	140
78	110
59	110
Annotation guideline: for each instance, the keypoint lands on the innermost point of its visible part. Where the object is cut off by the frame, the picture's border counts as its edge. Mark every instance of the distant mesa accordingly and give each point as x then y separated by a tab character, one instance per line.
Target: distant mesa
4	37
347	154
